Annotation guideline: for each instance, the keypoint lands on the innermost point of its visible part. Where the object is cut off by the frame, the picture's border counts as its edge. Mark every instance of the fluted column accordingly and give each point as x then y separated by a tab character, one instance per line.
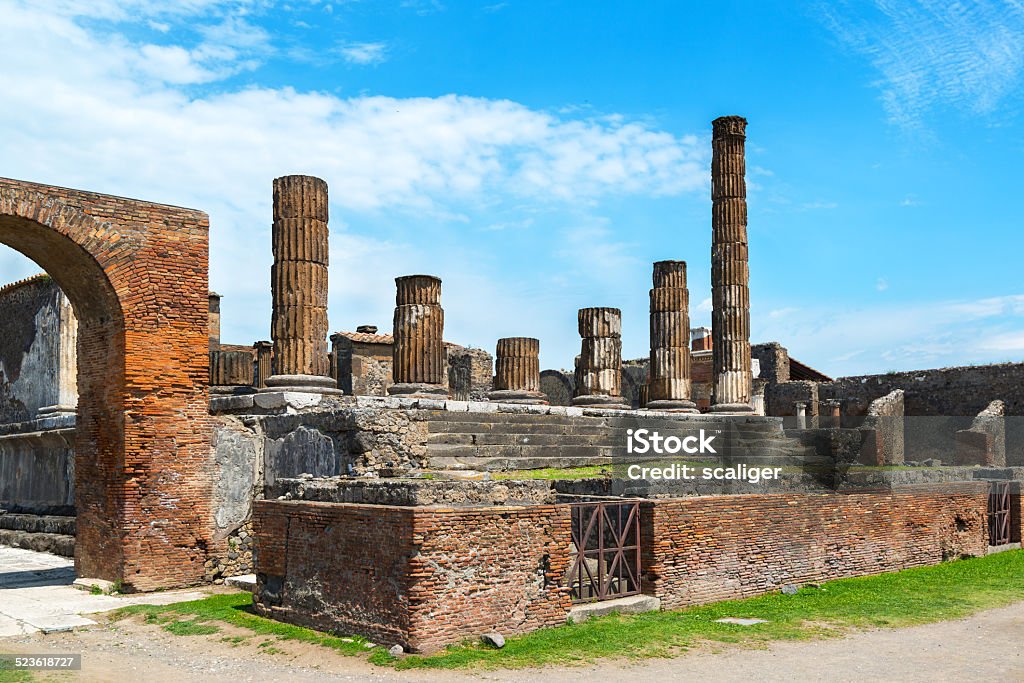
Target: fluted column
599	366
419	366
231	372
298	281
264	353
669	376
732	388
517	371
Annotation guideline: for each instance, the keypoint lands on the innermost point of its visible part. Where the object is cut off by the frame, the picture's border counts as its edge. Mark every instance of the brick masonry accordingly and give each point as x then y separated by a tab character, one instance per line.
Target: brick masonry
423	577
420	577
713	548
136	275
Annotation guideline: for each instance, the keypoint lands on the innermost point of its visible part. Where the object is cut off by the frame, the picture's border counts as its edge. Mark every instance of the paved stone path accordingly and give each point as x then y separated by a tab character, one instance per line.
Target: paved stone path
36	595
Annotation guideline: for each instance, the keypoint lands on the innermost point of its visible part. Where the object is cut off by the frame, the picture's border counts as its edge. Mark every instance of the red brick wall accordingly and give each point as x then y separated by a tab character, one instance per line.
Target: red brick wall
136	274
709	548
421	577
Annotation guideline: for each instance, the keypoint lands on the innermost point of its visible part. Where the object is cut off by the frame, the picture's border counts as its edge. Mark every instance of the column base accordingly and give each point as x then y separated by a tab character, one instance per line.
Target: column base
672	405
731	408
308	384
513	396
418	390
601	400
231	390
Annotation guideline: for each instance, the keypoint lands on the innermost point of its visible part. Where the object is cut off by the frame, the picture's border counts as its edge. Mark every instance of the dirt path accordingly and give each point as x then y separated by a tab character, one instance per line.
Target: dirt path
985	646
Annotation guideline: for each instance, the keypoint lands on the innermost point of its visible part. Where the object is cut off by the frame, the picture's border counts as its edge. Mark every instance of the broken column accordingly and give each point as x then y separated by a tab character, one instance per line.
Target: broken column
668	384
264	351
599	365
732	380
299	286
419	365
517	371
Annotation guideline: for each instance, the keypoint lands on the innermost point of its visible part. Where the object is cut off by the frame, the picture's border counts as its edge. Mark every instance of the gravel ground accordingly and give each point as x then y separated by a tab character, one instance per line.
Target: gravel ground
984	646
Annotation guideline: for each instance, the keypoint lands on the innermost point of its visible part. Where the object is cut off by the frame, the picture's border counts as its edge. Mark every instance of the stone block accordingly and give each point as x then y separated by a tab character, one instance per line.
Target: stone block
634	604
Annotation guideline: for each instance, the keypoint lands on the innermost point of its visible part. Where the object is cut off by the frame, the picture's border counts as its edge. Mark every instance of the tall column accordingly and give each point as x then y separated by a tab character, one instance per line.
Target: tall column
669	377
732	388
299	286
517	371
264	354
419	366
599	367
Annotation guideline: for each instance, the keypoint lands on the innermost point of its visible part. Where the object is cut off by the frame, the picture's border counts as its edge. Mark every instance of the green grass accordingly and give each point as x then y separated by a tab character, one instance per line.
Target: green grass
586	472
914	596
15	676
234	609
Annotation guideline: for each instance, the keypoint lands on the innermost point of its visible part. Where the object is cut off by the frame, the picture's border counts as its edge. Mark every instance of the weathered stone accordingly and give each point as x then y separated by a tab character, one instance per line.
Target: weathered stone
732	388
668	383
599	365
299	286
419	361
517	371
493	639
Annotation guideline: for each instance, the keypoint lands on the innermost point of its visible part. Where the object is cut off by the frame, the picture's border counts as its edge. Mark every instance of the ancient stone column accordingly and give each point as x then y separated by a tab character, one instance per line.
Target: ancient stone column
599	365
732	380
299	286
419	364
669	376
264	354
231	372
801	415
517	371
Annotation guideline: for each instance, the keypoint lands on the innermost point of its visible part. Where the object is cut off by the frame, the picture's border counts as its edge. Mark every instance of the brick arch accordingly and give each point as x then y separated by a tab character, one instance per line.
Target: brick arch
136	275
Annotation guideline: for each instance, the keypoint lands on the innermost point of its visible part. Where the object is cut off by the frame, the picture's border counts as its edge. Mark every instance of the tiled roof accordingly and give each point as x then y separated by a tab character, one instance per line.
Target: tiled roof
366	338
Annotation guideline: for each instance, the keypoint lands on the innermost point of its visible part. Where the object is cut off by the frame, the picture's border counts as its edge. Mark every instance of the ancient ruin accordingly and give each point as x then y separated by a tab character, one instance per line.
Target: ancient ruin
517	371
599	365
669	384
418	352
387	486
730	317
299	286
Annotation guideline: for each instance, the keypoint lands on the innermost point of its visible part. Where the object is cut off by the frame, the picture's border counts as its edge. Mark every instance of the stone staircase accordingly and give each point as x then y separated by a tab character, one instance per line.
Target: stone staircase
43	533
506	441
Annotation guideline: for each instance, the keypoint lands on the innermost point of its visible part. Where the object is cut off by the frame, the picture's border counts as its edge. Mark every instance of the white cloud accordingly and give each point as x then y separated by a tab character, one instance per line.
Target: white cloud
98	111
364	54
931	52
881	284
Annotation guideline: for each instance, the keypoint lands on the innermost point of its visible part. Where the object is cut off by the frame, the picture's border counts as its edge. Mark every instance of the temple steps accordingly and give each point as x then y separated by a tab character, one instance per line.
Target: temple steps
43	533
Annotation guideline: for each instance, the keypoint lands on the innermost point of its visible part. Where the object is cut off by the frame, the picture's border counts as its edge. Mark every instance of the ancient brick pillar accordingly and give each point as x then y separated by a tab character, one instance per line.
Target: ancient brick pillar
418	357
517	371
299	286
732	381
599	365
668	383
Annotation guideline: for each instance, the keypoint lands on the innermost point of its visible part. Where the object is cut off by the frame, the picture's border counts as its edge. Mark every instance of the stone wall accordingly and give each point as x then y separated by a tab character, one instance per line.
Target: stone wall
37	466
883	431
418	577
984	442
721	548
37	350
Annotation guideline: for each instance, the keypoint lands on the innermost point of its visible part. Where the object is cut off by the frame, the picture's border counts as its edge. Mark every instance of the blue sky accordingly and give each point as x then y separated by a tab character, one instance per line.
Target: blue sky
538	156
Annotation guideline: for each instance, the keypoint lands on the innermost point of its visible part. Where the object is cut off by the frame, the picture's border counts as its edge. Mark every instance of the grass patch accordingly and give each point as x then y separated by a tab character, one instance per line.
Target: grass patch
15	675
915	596
190	628
235	609
586	472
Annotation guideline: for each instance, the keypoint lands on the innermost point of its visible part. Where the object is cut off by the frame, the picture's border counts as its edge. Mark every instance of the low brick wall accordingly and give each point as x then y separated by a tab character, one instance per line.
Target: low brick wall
699	550
424	577
420	577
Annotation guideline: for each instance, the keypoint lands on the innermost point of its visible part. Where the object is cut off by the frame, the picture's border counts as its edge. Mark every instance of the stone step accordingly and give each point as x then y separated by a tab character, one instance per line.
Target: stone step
497	464
492	439
48	524
57	544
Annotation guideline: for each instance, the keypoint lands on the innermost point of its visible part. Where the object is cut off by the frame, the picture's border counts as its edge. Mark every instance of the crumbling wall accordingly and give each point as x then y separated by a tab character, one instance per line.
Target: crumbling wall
414	576
984	443
470	373
781	400
35	358
883	431
727	547
37	466
774	361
